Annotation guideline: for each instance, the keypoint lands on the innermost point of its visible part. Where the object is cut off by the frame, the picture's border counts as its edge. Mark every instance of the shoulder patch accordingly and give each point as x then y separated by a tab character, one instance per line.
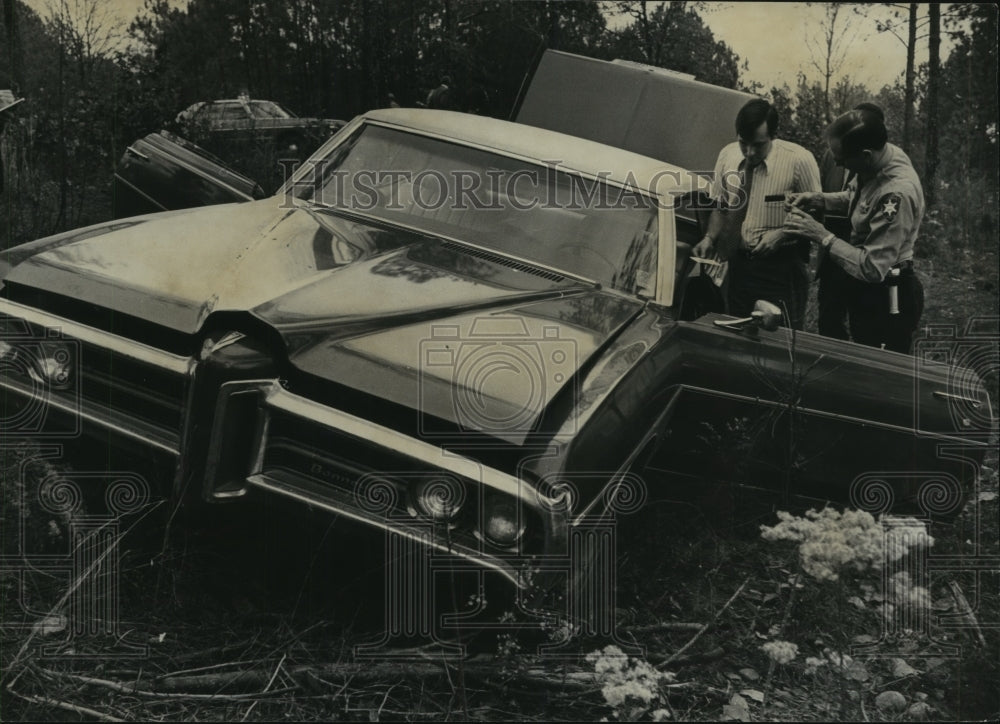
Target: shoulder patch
888	205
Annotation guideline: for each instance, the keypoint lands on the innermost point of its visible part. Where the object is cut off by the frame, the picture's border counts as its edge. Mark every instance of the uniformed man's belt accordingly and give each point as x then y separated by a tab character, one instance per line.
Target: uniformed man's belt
779	255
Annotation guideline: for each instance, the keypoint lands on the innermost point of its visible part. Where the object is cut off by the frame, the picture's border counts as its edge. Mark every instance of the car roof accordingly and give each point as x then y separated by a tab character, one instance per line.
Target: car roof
568	152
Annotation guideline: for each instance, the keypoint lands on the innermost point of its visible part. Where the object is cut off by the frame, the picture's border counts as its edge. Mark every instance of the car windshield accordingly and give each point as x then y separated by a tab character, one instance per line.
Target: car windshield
579	225
268	109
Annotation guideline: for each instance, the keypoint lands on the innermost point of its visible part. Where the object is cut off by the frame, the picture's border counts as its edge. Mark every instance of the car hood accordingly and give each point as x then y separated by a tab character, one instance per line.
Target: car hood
400	315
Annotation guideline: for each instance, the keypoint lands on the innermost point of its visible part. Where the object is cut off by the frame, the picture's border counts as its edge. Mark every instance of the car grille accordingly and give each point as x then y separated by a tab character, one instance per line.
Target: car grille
62	379
149	397
267	438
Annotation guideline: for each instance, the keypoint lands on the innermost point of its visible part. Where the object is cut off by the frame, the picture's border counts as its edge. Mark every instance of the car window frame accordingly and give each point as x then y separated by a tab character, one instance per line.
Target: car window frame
251	104
666	262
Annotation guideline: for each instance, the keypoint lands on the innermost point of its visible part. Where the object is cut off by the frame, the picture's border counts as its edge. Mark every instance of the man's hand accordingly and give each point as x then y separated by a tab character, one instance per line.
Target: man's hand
704	249
799	223
809	200
769	242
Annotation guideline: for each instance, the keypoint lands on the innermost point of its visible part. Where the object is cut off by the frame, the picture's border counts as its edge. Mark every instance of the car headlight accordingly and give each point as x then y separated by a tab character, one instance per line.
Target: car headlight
46	363
440	499
53	367
502	523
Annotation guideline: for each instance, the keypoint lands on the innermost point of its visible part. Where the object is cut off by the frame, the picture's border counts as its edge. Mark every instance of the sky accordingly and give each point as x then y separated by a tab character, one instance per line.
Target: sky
771	36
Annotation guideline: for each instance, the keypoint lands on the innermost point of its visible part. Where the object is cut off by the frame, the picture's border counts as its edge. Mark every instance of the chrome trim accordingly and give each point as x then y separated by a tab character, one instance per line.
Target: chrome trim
135	152
944	437
277	398
106	340
653	195
289	489
976	404
666	256
228	392
100	416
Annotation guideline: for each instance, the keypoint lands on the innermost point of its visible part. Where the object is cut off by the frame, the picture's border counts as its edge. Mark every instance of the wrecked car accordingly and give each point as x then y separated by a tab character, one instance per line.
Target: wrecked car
469	333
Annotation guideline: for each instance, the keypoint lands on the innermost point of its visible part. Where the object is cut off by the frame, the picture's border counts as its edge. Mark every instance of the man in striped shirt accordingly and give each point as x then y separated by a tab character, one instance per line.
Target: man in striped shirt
752	178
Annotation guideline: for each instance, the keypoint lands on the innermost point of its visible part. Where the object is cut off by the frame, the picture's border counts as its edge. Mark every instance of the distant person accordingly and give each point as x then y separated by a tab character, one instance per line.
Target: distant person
832	295
477	100
885	203
752	177
392	101
442	97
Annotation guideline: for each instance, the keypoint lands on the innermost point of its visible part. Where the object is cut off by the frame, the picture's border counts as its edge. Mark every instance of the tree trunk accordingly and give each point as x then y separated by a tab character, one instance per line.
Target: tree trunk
911	45
933	83
13	45
828	67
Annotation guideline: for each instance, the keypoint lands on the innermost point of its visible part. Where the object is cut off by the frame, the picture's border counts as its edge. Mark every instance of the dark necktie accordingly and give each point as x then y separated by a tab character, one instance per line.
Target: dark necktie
741	213
856	197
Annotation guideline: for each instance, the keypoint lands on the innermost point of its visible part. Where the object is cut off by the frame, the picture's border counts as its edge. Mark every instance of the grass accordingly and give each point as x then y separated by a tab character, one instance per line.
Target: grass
270	592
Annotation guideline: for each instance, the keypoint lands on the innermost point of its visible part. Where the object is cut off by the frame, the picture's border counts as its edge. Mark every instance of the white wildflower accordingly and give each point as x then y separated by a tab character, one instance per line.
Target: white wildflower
781	652
813	664
904	593
626	680
838	659
831	541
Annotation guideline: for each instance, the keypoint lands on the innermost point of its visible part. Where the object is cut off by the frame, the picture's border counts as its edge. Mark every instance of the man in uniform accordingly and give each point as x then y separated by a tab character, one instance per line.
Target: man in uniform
752	177
833	280
885	203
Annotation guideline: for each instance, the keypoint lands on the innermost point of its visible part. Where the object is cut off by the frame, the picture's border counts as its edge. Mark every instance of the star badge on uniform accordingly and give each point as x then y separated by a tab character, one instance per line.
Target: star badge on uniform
889	205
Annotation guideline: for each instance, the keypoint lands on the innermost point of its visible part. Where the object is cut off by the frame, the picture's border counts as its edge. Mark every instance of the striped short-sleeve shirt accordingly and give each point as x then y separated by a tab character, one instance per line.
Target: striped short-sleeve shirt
788	168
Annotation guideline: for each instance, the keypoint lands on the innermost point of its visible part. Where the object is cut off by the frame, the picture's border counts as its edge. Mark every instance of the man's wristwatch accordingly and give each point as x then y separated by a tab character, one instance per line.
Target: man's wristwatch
827	240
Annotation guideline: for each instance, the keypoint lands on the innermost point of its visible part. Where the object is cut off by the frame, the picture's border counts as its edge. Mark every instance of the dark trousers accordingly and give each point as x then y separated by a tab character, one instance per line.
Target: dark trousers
843	298
834	291
871	322
780	278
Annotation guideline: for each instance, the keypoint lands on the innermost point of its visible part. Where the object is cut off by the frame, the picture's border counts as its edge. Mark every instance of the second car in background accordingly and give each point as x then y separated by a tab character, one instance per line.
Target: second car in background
215	123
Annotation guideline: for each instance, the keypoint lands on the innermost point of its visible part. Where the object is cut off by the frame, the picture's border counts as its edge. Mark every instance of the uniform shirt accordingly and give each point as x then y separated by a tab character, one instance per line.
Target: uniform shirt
788	168
884	221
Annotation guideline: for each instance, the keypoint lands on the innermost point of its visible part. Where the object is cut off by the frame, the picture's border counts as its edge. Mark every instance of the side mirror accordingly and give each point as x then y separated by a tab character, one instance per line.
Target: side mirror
764	316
